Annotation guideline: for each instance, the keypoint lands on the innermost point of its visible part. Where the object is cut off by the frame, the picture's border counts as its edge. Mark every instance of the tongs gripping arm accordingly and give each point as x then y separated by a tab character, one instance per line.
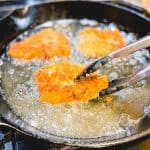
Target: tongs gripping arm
131	48
125	51
122	83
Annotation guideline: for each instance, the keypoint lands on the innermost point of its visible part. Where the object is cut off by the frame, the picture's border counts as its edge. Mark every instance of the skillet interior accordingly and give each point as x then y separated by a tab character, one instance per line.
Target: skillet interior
98	12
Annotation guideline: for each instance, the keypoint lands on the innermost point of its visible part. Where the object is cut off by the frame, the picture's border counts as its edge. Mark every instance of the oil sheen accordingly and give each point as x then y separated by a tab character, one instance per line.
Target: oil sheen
91	119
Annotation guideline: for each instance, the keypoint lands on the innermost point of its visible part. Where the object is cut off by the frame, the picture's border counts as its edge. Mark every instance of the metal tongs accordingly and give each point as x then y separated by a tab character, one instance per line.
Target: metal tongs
121	83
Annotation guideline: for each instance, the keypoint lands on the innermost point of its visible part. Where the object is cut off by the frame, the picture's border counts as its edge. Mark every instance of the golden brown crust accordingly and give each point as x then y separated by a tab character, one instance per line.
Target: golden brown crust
45	44
56	83
94	42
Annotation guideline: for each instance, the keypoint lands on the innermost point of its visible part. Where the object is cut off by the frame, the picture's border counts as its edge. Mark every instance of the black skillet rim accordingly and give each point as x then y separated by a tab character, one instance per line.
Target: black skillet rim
95	143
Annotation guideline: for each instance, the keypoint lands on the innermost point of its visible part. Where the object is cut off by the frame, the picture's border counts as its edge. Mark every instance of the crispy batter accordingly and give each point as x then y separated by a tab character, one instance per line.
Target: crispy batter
95	42
108	99
45	44
56	83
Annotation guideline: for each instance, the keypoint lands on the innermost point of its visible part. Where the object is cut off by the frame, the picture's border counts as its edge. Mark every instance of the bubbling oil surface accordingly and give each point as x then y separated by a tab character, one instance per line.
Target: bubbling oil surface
90	119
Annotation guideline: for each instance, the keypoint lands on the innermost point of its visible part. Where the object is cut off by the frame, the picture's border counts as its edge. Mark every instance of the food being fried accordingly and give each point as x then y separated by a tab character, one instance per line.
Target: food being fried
95	42
108	99
45	44
56	83
77	119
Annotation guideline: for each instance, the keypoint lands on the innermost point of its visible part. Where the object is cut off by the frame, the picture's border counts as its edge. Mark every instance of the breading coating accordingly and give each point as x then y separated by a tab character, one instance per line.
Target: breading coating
95	42
45	44
56	83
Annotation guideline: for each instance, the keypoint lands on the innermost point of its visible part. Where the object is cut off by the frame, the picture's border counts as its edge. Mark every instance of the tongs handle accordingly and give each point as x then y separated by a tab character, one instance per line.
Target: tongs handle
125	51
122	83
131	48
143	74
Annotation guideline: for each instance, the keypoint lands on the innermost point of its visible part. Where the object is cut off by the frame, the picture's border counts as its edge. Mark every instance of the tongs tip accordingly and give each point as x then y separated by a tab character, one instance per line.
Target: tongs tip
92	67
81	76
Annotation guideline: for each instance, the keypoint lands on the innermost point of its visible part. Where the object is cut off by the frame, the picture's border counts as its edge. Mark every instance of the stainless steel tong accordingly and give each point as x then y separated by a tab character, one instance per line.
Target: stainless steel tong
119	84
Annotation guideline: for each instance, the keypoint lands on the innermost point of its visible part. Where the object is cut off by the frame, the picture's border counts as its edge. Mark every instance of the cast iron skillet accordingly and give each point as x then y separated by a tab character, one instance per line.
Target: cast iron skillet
132	18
